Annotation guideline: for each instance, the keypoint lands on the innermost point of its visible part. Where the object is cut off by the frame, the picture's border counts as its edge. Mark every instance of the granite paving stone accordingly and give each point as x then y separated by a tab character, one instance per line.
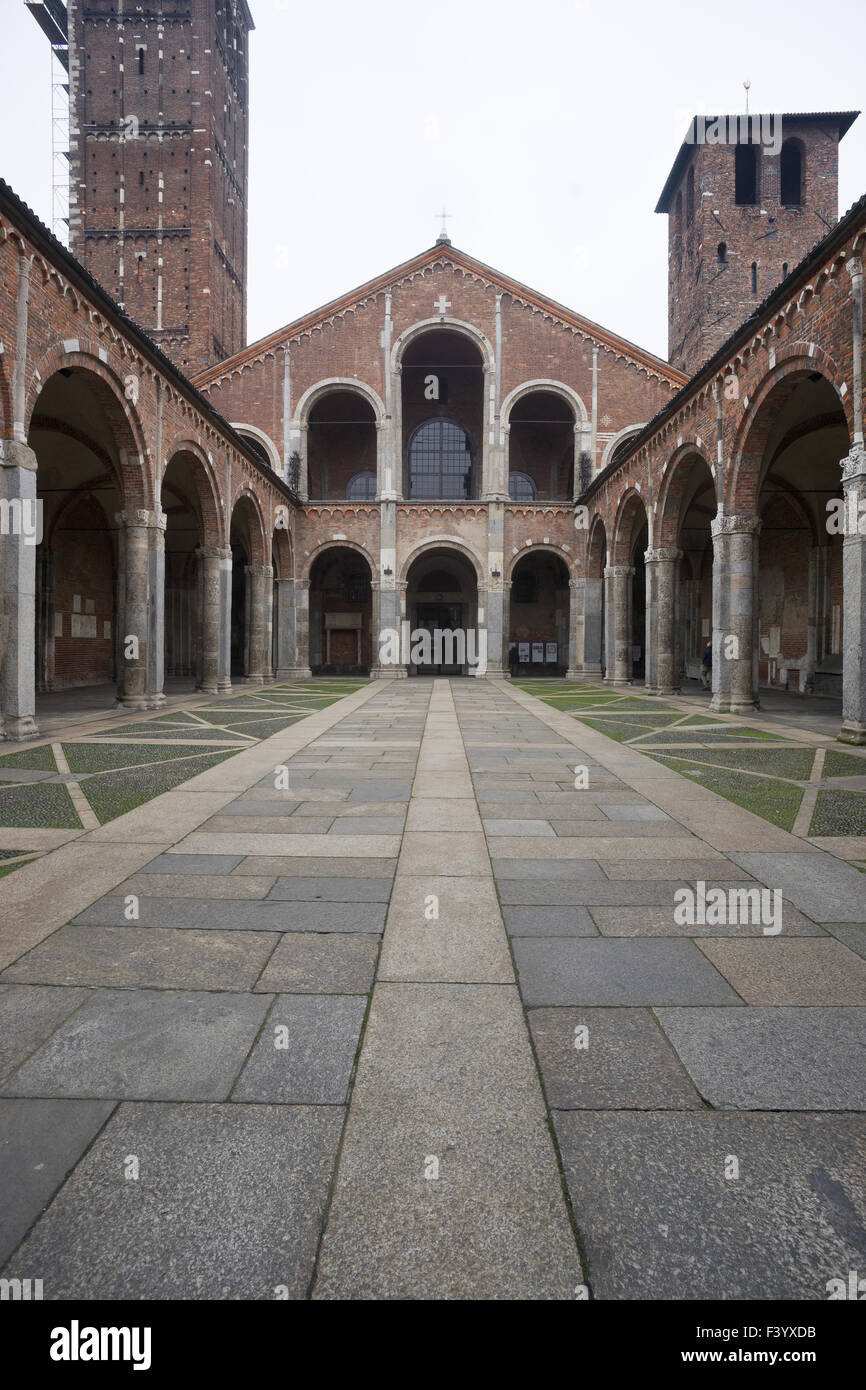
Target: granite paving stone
40	1141
229	1205
28	1014
608	1059
775	970
659	1219
782	1058
561	970
548	921
306	1051
821	885
312	963
145	1045
271	915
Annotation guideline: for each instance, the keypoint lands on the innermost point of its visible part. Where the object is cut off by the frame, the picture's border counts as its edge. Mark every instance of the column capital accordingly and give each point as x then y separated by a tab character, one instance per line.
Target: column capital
13	454
141	516
854	465
662	552
212	552
735	524
260	571
618	571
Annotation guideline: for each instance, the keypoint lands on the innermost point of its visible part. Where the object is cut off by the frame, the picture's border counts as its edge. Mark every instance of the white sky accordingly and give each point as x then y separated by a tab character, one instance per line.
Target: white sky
547	130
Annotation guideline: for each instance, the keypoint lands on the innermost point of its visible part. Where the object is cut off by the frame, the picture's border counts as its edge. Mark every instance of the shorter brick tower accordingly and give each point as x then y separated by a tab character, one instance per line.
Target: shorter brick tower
747	198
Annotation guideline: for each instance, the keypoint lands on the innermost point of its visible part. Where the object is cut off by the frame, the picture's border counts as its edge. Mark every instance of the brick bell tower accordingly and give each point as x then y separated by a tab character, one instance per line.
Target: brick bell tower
158	115
747	198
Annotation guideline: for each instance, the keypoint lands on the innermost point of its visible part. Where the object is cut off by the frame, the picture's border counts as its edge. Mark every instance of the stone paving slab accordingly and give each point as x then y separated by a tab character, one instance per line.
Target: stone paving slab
822	886
306	1050
325	868
273	915
659	921
659	1219
559	970
209	846
436	1064
308	963
778	971
608	1059
145	1045
228	1205
234	887
40	1141
852	934
146	957
192	864
548	921
772	1058
28	1014
583	892
463	942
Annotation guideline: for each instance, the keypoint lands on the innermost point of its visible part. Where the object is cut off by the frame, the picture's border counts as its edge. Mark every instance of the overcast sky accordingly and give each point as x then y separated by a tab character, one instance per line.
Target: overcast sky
546	129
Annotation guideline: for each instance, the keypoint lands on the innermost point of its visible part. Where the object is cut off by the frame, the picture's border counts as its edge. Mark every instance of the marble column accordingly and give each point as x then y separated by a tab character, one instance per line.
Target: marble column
141	610
209	557
224	673
19	534
854	599
301	670
576	627
284	618
496	613
619	578
735	613
664	657
259	579
593	630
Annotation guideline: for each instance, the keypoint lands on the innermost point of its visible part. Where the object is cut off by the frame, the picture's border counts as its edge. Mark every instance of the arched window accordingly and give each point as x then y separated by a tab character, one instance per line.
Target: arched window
754	277
440	461
361	488
791	174
722	253
746	175
521	488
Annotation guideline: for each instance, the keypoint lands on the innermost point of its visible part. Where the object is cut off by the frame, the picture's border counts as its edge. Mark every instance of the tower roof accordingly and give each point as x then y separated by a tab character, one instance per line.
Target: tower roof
843	119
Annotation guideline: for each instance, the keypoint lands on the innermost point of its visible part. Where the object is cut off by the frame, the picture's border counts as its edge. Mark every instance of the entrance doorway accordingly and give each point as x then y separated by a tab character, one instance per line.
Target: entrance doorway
442	617
442	596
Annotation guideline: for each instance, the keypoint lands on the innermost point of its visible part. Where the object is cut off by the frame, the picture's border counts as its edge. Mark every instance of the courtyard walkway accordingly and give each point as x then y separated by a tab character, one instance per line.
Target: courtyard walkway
397	1002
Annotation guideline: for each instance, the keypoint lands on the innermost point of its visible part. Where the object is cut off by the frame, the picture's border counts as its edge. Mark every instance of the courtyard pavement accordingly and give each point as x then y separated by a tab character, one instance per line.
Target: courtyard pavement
394	1003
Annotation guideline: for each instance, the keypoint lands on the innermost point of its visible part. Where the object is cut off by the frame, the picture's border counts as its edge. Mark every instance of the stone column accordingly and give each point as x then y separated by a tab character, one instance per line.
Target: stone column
387	620
651	624
141	620
20	531
576	628
259	579
619	579
593	633
665	662
209	617
496	616
224	673
735	613
268	654
854	599
301	670
285	621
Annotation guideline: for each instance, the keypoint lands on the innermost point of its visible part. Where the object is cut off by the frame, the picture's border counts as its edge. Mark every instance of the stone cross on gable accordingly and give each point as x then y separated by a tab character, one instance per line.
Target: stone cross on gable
442	305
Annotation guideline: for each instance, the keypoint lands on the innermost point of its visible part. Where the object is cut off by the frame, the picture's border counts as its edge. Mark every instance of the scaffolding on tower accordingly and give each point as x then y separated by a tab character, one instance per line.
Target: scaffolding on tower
52	19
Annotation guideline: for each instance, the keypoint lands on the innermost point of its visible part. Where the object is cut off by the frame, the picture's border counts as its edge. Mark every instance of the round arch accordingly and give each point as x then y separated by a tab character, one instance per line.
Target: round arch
256	534
556	388
596	548
137	483
322	388
674	479
259	436
207	488
443	542
323	546
537	548
630	431
631	503
442	323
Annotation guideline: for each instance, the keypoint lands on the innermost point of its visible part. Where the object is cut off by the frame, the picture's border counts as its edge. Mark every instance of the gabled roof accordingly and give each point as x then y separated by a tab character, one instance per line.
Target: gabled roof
843	119
443	254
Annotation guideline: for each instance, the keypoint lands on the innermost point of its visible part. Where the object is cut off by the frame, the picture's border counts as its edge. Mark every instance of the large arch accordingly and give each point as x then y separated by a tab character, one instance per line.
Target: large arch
442	540
542	438
442	597
251	592
626	601
539	612
262	444
594	631
190	504
341	611
681	604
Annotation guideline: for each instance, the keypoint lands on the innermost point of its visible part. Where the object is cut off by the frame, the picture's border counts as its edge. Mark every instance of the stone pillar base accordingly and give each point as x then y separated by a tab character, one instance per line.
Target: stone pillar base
253	680
140	702
224	686
852	731
208	687
296	673
17	728
388	673
664	690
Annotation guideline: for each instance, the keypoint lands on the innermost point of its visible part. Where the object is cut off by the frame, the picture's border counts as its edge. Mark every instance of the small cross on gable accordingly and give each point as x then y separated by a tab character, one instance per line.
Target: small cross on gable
442	305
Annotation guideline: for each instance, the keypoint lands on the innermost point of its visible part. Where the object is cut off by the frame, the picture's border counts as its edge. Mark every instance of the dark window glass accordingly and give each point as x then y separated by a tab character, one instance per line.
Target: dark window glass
521	488
361	488
440	461
745	175
791	173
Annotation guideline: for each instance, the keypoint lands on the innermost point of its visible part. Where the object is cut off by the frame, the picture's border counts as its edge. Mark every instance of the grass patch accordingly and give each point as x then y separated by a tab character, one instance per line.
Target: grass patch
104	757
10	868
839	813
47	805
795	763
774	801
838	764
39	759
114	793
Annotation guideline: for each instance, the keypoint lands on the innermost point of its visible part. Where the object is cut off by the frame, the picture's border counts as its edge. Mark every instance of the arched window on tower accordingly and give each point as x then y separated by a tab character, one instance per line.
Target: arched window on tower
791	174
722	253
745	175
754	277
440	461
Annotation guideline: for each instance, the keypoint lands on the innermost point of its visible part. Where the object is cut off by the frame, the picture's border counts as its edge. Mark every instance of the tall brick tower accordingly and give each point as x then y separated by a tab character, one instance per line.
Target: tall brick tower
158	96
747	198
